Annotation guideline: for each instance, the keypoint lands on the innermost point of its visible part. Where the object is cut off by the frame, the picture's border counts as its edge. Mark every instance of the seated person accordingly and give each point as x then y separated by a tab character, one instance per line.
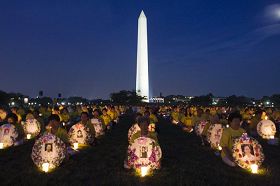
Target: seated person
187	122
54	127
228	137
143	123
106	118
13	120
87	123
95	115
3	115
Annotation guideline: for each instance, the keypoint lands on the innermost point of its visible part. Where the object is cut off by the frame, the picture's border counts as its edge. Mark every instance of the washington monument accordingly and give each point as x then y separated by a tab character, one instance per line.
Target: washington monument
142	72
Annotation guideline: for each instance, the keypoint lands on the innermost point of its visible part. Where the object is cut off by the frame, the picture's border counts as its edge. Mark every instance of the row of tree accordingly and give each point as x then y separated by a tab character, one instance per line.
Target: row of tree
132	98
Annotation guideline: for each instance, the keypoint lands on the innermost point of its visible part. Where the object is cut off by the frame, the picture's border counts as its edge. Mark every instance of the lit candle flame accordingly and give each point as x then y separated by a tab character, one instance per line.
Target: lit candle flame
45	167
144	171
76	146
271	137
266	118
254	168
227	126
219	147
28	136
1	145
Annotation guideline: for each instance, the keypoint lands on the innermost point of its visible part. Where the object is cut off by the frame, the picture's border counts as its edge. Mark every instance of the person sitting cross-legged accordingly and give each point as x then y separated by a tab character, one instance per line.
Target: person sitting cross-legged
228	137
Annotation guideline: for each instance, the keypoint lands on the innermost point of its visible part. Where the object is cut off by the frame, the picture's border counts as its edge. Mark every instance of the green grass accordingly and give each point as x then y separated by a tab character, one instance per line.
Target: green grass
185	162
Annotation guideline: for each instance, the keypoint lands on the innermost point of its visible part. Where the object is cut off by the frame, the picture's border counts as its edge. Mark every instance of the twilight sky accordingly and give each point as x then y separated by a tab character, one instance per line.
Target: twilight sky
88	48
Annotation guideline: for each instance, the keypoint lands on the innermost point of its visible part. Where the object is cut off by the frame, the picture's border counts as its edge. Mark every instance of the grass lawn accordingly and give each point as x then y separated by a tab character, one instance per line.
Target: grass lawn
185	162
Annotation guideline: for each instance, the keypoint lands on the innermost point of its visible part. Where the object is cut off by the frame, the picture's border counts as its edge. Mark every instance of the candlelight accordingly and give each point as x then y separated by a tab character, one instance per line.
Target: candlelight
45	167
28	136
271	137
76	146
1	145
144	171
266	118
219	147
254	168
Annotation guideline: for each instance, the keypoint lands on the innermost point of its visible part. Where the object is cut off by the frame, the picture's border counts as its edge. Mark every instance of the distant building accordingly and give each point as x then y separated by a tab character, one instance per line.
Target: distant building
157	100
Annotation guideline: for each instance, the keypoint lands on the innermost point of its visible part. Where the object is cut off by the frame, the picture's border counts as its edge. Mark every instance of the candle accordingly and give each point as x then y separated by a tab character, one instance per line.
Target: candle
271	137
1	145
28	136
219	147
45	167
254	168
227	126
76	146
266	118
144	171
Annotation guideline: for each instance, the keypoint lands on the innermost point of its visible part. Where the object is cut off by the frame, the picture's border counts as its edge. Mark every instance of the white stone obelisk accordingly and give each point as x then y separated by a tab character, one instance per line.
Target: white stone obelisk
142	73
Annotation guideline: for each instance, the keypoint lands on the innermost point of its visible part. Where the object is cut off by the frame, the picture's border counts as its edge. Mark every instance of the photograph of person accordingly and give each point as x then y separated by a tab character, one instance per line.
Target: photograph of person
248	153
48	147
79	134
144	152
6	131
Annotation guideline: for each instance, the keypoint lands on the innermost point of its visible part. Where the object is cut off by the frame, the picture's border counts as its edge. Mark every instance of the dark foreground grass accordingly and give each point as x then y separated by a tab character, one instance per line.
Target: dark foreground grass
185	162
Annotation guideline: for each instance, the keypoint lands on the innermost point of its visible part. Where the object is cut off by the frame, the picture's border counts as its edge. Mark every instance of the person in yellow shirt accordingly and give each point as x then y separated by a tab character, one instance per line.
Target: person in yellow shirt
176	115
187	122
87	123
3	115
65	115
228	137
143	123
54	128
106	118
152	117
113	114
254	122
15	111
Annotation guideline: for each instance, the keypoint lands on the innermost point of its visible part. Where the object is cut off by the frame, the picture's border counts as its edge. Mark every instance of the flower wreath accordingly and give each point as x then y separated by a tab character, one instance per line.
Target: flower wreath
79	133
199	127
266	129
240	157
144	152
31	126
214	135
48	149
8	135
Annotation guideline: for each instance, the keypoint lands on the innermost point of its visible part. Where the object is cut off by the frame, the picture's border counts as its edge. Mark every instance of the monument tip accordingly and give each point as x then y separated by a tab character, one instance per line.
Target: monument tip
142	14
